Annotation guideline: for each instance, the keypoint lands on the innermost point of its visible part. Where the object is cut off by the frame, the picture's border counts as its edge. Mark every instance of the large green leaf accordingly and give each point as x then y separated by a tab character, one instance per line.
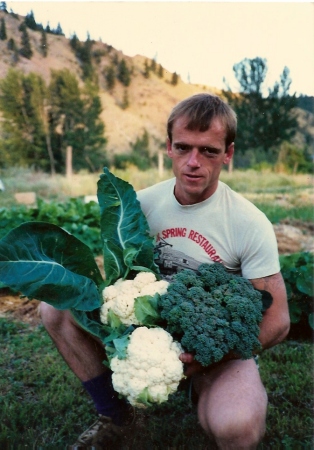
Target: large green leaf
124	229
45	262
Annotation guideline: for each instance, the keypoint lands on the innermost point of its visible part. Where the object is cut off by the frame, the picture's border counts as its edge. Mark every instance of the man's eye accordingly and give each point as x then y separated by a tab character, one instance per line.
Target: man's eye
210	151
181	148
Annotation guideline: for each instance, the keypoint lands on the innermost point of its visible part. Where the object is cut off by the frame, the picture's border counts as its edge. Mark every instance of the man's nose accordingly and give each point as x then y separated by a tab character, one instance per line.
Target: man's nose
194	158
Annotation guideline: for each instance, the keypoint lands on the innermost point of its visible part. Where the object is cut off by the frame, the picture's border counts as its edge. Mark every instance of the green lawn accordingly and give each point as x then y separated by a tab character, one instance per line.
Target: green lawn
42	404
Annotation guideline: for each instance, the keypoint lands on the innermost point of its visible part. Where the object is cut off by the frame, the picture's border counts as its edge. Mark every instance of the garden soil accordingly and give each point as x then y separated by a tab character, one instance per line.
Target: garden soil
292	237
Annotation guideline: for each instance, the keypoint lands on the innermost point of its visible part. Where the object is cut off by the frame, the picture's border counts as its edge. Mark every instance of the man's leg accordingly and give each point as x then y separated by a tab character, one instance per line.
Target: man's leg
83	353
232	404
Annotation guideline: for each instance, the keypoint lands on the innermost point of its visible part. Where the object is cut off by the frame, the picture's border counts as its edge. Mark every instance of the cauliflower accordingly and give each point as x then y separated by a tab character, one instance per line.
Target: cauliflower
151	370
120	297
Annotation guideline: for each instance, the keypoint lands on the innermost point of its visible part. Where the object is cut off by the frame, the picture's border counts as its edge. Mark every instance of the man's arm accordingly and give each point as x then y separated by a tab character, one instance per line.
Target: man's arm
276	321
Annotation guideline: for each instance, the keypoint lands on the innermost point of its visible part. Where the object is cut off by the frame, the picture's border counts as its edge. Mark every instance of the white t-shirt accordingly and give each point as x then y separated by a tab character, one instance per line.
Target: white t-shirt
225	228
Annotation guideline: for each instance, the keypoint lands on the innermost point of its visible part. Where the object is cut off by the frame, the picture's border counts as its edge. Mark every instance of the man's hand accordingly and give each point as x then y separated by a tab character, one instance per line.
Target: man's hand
191	366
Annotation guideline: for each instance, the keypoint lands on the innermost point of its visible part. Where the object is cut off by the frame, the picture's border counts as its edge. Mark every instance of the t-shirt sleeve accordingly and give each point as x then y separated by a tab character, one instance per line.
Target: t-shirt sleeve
260	256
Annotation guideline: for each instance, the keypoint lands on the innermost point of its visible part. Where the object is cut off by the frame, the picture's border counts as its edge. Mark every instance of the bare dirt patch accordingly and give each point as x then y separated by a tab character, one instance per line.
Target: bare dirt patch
292	237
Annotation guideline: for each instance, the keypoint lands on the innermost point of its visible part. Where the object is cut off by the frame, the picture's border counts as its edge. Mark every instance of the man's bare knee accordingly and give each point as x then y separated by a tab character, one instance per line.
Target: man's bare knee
232	405
54	319
244	432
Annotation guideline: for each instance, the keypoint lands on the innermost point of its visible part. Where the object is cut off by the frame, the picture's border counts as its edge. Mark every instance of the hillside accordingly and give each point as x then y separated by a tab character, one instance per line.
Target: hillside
150	99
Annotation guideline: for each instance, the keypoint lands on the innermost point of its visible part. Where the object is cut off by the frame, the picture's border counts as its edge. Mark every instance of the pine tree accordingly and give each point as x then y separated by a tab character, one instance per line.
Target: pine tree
174	79
30	21
26	49
44	43
123	73
74	42
125	101
13	48
3	33
3	7
58	30
153	65
160	71
110	77
146	70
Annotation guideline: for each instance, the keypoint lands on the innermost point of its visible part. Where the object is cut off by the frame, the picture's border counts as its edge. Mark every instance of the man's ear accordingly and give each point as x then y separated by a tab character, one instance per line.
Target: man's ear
169	149
229	153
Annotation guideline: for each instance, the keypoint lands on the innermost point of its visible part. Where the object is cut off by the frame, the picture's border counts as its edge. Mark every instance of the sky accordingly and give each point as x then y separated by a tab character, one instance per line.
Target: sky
201	41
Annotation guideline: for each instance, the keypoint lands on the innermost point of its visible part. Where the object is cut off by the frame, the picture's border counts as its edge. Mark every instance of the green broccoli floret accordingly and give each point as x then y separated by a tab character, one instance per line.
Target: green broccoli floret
213	312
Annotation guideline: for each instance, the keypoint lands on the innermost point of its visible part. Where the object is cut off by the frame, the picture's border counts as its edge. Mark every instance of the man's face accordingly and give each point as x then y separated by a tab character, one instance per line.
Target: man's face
197	160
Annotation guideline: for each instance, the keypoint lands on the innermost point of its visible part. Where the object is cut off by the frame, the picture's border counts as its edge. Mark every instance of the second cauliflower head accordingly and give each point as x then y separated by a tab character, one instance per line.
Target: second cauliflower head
151	370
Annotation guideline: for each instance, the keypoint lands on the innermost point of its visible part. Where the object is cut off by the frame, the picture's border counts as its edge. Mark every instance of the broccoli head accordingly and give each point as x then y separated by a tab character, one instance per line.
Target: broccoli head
213	312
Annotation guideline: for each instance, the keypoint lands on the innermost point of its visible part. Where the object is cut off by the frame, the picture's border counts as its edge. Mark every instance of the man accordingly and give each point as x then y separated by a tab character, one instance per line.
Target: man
197	219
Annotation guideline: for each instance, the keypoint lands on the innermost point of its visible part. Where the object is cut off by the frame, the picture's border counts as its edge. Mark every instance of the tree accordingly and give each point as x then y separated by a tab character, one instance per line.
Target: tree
30	21
139	156
290	157
125	101
39	123
91	141
26	49
74	42
153	65
58	30
44	43
13	48
110	77
24	142
263	121
3	7
84	53
146	69
174	79
123	73
251	74
160	72
75	116
3	32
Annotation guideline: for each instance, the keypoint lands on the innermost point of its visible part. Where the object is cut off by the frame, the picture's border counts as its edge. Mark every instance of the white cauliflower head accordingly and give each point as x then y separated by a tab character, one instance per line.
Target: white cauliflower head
120	297
151	366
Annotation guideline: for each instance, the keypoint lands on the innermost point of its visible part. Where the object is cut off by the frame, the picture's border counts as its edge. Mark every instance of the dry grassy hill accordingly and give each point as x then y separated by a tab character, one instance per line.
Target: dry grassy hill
150	99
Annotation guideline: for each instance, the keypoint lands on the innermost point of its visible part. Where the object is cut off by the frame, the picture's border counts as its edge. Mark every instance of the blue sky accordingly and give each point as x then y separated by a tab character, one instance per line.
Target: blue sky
199	40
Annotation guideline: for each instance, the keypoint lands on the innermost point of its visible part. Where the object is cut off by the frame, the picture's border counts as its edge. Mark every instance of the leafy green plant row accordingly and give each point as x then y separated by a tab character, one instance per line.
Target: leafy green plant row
78	218
298	270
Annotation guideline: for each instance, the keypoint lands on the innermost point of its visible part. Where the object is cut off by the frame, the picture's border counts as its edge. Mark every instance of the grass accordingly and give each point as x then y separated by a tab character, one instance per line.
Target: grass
43	406
279	196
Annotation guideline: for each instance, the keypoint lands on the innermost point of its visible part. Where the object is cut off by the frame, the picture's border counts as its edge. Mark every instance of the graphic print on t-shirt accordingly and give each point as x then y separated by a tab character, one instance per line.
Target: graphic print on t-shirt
173	250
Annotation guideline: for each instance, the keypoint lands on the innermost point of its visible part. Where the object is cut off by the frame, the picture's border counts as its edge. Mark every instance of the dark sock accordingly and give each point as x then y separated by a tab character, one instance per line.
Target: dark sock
106	399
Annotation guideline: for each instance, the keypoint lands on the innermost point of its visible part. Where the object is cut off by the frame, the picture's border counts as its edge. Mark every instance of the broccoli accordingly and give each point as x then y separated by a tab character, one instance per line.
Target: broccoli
212	312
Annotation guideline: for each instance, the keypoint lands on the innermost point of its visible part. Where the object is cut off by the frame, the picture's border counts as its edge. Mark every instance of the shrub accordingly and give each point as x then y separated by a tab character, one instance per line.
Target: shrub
297	270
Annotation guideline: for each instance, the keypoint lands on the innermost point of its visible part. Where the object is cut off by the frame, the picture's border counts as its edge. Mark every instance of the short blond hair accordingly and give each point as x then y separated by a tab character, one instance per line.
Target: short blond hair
200	110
